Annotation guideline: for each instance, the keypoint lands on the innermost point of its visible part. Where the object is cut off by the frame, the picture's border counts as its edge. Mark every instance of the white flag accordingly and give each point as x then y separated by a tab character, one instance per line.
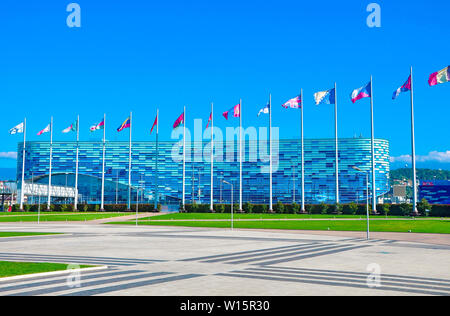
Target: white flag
16	129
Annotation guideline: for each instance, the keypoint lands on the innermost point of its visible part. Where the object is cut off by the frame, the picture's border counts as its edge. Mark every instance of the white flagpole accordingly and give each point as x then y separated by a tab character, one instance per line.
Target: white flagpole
102	206
413	148
270	154
211	208
156	161
75	206
240	155
303	156
337	150
374	187
50	166
23	164
129	165
184	156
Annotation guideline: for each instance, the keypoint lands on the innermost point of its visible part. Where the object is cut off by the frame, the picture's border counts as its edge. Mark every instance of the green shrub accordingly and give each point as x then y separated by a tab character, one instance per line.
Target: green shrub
423	206
295	208
350	209
386	208
248	207
279	207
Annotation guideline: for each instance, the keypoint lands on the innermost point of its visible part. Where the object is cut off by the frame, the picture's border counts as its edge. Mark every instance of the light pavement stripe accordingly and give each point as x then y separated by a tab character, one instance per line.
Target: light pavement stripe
311	255
56	289
82	257
62	279
345	280
329	283
244	252
289	254
127	286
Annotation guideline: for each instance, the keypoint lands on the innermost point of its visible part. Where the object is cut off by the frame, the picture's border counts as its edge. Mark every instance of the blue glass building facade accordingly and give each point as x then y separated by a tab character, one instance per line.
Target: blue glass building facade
319	155
435	191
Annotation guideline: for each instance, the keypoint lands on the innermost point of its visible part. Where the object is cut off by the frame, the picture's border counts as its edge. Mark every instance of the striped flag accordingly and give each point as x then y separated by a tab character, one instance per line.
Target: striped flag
45	130
179	121
16	129
71	128
236	111
125	124
363	92
325	97
406	87
293	103
100	125
441	76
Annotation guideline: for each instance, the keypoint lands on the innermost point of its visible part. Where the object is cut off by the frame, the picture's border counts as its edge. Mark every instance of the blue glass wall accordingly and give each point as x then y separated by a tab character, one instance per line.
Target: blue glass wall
435	191
319	168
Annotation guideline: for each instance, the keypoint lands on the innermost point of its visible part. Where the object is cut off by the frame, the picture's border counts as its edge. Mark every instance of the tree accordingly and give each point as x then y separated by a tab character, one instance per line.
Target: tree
295	208
386	208
424	207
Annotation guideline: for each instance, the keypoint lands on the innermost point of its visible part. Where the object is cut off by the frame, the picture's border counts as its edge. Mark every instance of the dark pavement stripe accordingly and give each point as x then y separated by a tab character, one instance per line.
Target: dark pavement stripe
289	254
404	279
312	255
241	252
254	255
92	283
396	289
384	281
63	278
132	285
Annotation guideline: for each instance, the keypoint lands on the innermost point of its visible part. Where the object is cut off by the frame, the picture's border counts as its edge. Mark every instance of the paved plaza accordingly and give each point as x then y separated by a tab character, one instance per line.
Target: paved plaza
149	260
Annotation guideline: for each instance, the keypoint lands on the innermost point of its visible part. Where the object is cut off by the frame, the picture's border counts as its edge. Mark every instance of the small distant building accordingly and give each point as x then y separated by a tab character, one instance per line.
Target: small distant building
435	191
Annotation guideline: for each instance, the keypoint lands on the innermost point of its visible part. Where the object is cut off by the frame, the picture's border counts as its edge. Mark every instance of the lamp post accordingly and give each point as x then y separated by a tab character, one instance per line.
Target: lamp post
231	202
367	196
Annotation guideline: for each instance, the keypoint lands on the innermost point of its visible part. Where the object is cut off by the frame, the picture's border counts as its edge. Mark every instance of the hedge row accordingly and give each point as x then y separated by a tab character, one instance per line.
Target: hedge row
404	209
86	207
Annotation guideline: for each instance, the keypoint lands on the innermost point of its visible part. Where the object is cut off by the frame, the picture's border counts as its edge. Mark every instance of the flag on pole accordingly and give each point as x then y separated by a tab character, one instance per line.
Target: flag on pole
406	87
154	124
71	128
100	125
125	124
236	111
209	120
325	97
45	130
293	103
264	110
179	121
363	92
440	76
16	129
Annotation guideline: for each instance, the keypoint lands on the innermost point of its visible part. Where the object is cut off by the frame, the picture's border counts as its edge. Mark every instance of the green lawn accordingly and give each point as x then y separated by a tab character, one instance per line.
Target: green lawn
8	269
380	225
203	216
62	217
18	234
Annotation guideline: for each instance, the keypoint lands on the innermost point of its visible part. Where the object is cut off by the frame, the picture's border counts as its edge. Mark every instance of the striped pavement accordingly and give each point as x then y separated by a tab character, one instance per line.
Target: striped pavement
393	283
25	257
91	283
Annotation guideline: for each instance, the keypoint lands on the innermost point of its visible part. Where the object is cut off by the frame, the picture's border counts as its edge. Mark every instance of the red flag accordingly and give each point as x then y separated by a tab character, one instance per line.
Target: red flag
154	124
209	120
179	121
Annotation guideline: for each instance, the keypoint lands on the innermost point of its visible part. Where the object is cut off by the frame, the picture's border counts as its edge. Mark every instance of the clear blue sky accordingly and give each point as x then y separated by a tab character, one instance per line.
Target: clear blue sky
136	55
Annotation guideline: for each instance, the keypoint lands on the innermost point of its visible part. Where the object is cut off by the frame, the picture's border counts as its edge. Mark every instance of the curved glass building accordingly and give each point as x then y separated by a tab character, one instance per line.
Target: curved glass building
319	155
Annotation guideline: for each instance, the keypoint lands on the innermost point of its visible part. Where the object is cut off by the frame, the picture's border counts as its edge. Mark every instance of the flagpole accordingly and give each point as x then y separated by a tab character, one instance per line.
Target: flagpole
129	165
184	157
303	157
102	206
240	155
211	208
413	148
374	187
336	134
23	164
156	161
75	206
270	154
50	166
